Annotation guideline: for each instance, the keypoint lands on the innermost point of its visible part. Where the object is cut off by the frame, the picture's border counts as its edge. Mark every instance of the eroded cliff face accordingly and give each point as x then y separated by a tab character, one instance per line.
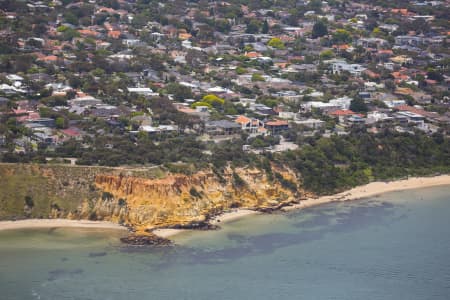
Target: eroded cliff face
180	199
141	199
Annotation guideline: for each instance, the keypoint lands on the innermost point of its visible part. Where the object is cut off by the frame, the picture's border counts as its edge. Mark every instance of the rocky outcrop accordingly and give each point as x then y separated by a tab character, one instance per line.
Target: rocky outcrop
139	199
180	200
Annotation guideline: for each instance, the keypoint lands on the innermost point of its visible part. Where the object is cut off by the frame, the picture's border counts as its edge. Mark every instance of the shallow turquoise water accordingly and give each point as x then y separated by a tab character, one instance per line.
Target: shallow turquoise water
396	246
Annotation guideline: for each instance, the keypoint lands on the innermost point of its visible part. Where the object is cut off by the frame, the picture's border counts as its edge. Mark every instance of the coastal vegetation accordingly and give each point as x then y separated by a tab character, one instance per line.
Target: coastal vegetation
323	164
332	164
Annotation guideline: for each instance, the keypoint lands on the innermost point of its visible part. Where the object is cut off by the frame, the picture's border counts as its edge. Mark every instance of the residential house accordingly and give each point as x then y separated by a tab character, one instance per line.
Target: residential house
251	125
200	111
342	114
375	43
85	101
411	117
356	120
353	69
222	128
277	126
47	122
158	129
379	118
71	133
142	91
311	123
406	40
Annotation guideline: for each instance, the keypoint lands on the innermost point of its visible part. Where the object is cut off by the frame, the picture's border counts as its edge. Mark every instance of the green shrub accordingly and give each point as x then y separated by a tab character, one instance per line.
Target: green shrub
194	193
238	182
286	183
29	201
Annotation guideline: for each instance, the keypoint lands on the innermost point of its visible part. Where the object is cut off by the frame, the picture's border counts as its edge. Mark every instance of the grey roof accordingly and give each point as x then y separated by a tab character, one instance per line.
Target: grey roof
223	124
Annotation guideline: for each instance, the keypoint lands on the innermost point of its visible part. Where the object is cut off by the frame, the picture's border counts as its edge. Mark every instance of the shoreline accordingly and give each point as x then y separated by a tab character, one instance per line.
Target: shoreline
360	192
224	217
63	223
364	191
373	189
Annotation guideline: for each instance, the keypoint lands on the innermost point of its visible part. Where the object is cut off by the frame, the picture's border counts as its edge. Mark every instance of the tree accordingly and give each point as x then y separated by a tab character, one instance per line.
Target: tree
434	75
342	36
213	100
252	27
265	27
223	26
276	43
60	123
257	77
319	29
180	92
327	54
358	105
315	5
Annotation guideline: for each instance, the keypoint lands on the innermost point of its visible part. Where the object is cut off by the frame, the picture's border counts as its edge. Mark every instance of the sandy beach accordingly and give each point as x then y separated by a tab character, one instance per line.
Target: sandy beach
222	218
373	189
46	223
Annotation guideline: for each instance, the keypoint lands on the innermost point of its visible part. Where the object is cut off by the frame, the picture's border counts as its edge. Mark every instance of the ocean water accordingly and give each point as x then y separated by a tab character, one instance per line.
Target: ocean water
395	246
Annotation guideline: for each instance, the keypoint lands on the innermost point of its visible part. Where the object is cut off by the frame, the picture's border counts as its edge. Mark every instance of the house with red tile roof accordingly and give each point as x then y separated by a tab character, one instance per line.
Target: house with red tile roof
252	54
49	59
343	114
71	133
251	125
399	77
88	32
371	74
115	34
276	127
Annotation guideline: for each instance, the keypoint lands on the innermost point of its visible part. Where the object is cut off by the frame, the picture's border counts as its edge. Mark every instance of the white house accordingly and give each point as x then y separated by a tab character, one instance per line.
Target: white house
142	91
354	69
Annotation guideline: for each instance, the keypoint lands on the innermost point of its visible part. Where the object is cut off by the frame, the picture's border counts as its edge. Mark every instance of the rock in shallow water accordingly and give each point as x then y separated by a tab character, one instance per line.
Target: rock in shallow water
145	240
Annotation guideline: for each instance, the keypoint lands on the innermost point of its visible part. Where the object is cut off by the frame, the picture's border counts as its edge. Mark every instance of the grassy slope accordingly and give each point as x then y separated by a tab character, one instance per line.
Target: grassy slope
47	185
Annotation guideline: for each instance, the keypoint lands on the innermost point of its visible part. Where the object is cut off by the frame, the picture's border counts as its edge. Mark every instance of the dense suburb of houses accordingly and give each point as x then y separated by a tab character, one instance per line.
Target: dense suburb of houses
220	69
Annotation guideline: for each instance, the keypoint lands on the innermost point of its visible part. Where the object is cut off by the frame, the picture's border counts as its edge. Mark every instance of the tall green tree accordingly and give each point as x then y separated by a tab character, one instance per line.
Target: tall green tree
265	27
319	29
253	27
358	105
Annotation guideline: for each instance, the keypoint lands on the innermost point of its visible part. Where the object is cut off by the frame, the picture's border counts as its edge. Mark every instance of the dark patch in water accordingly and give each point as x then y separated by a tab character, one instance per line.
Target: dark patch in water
97	254
330	218
51	230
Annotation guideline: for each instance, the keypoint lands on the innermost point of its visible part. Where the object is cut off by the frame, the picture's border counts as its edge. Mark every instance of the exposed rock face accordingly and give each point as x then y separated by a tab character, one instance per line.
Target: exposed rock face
134	198
181	200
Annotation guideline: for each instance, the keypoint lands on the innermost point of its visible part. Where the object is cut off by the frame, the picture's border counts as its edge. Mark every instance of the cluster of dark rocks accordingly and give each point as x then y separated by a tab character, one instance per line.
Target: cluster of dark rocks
145	240
272	209
197	225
